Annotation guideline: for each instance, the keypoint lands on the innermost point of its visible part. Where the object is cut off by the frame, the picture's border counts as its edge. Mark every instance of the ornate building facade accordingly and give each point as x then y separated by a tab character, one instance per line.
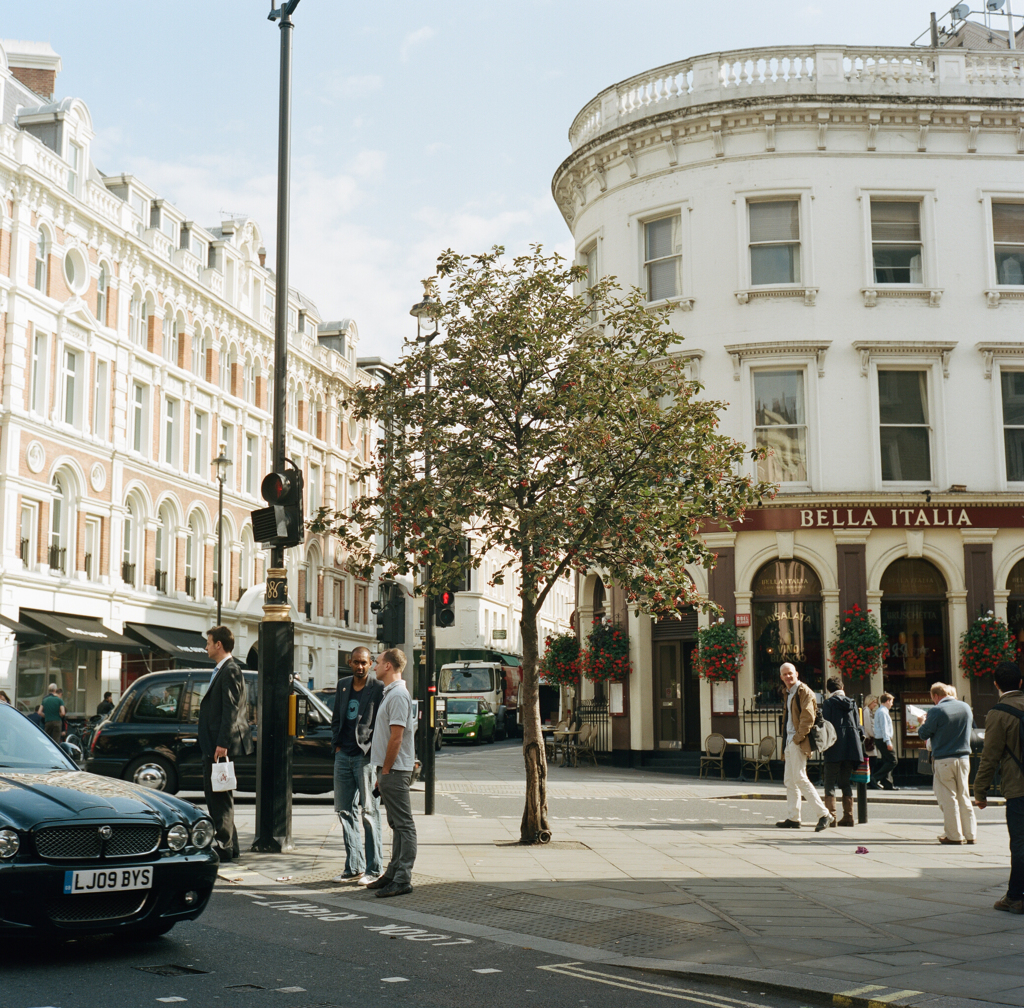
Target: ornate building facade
839	234
137	348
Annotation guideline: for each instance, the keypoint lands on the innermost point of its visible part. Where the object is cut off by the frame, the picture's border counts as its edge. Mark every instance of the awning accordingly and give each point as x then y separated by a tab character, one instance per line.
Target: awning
509	659
83	631
186	646
25	635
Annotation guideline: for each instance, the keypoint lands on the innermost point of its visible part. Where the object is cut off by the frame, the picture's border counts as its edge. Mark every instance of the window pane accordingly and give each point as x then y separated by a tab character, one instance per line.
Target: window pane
778	397
1015	454
1013	397
776	221
897	264
660	236
902	397
159	702
774	264
905	454
661	280
788	463
895	221
1010	266
1008	222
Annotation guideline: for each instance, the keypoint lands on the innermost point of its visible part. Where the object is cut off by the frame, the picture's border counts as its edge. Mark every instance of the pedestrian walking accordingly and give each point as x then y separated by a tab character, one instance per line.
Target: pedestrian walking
106	705
801	710
391	752
355	707
948	728
223	732
53	713
4	698
1003	750
846	755
885	744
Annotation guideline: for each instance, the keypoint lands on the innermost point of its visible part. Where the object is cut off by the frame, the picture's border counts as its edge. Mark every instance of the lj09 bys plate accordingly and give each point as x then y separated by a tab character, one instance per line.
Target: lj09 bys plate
107	880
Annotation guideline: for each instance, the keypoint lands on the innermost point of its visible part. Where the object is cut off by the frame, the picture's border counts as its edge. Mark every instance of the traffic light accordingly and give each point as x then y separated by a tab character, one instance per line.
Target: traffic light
281	524
390	614
444	609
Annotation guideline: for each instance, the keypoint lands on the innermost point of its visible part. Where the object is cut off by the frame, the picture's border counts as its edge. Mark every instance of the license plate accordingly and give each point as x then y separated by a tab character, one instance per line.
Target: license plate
107	880
451	731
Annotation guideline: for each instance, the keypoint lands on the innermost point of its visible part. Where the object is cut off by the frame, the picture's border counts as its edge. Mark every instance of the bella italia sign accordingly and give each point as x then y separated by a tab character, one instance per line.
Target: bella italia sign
784	519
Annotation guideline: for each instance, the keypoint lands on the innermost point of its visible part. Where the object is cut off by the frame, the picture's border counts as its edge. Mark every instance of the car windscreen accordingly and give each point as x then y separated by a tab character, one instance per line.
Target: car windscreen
466	680
23	746
463	706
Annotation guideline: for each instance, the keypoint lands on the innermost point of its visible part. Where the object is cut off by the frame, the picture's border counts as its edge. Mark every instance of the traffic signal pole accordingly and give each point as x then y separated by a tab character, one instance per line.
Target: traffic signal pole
277	632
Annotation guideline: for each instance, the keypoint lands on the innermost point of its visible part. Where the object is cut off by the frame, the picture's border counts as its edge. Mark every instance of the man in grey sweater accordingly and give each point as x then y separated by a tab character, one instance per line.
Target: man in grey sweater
948	726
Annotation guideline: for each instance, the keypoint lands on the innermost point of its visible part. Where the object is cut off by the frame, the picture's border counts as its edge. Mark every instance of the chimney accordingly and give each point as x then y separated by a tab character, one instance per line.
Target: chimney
263	256
34	64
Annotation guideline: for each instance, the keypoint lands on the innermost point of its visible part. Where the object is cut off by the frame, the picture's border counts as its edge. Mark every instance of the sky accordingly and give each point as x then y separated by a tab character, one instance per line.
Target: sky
417	127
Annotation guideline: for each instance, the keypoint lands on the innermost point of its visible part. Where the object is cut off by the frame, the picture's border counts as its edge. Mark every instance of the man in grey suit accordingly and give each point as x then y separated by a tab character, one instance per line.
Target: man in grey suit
223	732
948	726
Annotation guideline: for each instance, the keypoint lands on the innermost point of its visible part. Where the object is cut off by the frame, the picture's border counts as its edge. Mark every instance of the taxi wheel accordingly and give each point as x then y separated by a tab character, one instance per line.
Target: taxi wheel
153	772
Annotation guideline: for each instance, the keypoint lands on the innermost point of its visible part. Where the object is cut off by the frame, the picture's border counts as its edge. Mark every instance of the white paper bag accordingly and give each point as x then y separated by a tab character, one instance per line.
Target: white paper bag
222	776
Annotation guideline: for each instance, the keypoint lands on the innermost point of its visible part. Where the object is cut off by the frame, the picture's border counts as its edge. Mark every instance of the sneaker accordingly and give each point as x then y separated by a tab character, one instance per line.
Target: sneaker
394	889
368	879
788	824
1009	905
954	843
346	876
824	822
381	883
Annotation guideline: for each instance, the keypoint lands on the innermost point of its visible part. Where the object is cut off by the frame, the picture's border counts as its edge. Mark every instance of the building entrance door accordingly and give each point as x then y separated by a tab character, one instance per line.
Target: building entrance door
677	700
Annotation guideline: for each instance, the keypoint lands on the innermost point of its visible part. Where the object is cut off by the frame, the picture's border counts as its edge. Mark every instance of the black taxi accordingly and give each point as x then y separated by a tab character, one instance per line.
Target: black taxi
151	736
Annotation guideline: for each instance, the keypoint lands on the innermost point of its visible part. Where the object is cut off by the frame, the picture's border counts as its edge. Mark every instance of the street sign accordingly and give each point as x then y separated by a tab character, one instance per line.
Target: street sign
499	634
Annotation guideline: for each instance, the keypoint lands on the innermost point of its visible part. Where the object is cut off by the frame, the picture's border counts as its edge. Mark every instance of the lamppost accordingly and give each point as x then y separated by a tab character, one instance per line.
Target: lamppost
220	463
425	312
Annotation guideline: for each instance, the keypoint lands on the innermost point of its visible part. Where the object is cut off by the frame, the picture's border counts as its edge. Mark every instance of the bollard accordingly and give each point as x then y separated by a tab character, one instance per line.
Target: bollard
862	803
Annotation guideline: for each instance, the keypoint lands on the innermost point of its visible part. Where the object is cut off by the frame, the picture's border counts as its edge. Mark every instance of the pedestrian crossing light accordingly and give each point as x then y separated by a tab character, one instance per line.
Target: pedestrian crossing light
445	613
282	523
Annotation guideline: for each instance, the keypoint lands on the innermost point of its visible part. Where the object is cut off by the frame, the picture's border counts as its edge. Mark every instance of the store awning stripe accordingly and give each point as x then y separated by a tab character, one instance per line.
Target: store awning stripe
87	633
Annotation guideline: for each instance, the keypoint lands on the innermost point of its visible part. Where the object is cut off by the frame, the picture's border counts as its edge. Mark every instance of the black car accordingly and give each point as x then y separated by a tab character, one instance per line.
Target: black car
80	855
151	736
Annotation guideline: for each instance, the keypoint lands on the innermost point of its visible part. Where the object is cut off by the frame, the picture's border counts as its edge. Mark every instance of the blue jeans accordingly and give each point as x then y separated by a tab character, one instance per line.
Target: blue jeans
353	800
1015	826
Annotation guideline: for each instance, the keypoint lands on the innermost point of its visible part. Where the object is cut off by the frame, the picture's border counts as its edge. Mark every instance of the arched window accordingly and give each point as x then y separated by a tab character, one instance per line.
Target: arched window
137	317
293	406
787	626
128	552
42	258
248	380
246	562
914	623
224	368
193	558
164	551
170	337
102	283
197	354
58	553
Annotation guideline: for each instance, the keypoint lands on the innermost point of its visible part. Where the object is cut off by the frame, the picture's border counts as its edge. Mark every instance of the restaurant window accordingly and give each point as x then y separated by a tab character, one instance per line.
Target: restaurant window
787	627
914	625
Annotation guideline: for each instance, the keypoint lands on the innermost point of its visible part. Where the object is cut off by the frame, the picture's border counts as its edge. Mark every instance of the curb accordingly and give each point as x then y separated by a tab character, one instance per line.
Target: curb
781	796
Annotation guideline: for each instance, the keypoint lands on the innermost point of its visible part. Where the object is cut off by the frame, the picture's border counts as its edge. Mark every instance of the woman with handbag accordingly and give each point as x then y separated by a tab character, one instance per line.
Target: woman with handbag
846	755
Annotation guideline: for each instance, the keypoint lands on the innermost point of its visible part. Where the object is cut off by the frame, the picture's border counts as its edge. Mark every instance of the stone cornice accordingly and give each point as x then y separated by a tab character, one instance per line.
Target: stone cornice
740	352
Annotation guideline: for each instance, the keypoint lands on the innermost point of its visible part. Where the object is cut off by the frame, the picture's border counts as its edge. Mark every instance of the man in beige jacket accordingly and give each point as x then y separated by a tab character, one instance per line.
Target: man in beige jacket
801	709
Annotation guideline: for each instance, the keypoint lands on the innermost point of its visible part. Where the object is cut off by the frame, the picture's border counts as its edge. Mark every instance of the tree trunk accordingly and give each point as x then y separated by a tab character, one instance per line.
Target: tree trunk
534	828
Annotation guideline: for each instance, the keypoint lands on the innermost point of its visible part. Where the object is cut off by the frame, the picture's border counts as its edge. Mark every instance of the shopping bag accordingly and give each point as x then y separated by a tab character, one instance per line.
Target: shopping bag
862	775
222	776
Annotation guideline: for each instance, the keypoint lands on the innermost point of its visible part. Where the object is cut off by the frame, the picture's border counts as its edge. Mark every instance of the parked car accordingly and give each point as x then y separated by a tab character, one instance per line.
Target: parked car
469	721
327	696
151	736
80	855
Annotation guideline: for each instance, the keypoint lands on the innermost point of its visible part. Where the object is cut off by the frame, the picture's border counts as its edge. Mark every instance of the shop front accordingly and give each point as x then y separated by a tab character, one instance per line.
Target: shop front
166	648
676	684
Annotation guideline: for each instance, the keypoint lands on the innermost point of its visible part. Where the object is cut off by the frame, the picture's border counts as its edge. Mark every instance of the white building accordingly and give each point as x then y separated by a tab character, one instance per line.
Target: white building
840	234
138	344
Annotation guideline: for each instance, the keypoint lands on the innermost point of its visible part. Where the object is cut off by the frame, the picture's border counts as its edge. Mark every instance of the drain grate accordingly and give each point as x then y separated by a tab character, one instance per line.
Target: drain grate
171	969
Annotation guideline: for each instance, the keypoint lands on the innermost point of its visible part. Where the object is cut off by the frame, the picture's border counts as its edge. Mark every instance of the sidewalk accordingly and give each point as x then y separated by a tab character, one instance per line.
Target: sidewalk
909	922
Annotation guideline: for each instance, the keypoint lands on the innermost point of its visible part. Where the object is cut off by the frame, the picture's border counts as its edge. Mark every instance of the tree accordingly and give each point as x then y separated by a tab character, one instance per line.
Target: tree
563	431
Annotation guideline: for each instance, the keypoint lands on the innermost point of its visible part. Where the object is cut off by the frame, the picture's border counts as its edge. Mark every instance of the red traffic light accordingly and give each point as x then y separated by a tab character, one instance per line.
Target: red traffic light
276	487
446	598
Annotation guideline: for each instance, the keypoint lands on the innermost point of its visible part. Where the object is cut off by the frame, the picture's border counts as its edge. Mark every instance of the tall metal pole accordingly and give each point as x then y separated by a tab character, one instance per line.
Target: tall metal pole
277	632
220	543
430	691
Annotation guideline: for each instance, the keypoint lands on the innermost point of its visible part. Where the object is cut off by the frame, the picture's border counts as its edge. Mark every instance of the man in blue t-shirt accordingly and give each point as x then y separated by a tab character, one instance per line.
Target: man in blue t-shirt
53	713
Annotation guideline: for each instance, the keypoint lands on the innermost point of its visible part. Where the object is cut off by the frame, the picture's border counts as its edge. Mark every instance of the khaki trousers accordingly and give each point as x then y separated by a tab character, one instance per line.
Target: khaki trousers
798	785
949	782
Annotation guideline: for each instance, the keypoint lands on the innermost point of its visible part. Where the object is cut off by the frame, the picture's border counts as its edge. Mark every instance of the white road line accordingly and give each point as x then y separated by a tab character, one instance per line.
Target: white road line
394	979
487	971
677	993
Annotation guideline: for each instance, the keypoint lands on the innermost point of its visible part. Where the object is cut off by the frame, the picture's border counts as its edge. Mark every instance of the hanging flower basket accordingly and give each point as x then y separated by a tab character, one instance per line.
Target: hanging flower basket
560	664
720	650
858	646
985	643
607	654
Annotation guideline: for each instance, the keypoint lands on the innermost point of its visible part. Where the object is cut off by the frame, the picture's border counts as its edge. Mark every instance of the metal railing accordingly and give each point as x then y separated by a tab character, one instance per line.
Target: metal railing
87	565
127	572
57	558
595	712
23	551
190	586
160	580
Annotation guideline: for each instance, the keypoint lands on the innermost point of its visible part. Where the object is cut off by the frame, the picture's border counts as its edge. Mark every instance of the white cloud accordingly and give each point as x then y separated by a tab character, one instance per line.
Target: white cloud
414	39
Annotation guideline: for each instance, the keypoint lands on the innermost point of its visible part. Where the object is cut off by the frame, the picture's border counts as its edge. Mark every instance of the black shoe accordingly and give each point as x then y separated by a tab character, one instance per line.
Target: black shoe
382	883
788	824
824	822
394	889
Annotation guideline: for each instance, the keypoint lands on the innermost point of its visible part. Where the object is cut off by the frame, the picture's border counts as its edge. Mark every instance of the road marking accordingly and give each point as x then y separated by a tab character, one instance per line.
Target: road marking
394	979
168	1000
487	971
289	990
575	970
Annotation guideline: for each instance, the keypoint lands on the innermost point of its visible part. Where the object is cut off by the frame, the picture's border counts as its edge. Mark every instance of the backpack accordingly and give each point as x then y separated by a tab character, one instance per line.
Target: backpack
1019	715
823	735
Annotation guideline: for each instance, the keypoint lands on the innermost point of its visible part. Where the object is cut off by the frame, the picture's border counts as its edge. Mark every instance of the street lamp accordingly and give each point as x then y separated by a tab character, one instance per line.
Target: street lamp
426	312
220	463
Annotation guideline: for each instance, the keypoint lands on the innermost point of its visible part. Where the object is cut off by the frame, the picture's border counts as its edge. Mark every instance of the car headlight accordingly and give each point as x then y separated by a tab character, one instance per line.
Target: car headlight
177	837
202	833
9	843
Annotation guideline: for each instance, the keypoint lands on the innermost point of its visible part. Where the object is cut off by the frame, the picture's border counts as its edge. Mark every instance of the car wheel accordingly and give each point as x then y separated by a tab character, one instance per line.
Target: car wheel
153	772
437	742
